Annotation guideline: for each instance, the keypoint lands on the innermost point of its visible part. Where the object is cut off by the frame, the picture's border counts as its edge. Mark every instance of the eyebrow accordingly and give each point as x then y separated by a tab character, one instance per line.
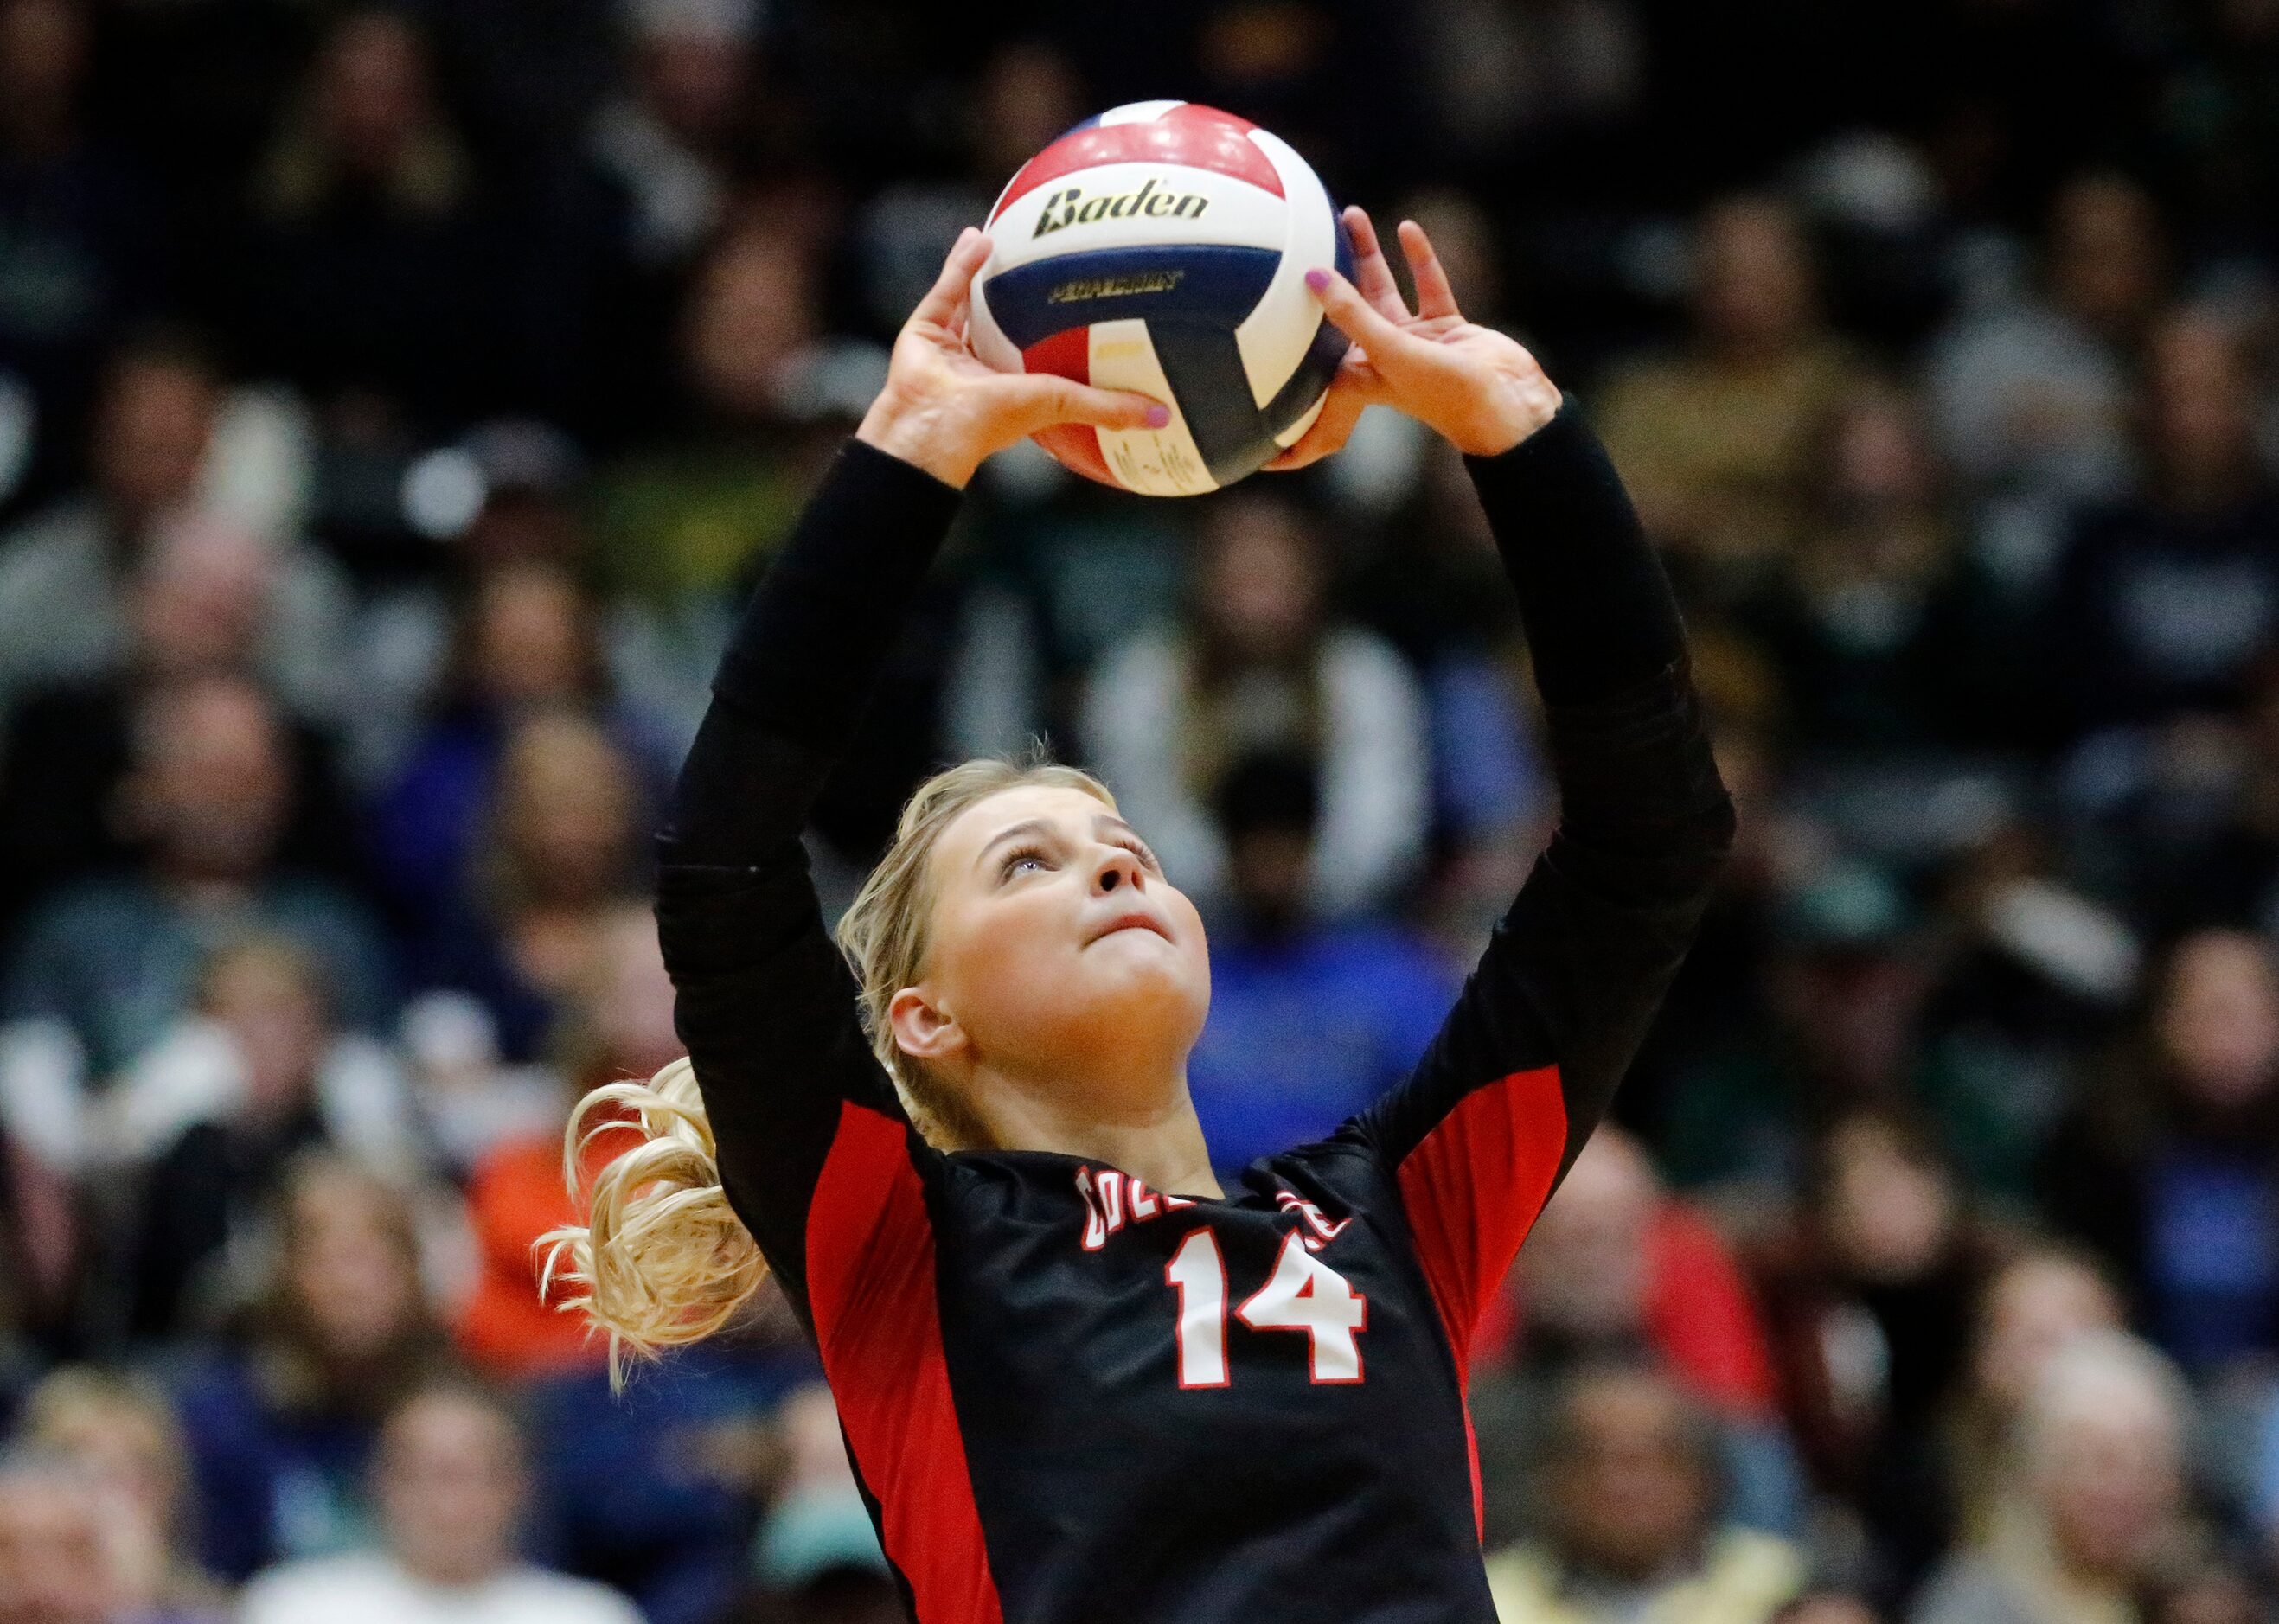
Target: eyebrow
1037	825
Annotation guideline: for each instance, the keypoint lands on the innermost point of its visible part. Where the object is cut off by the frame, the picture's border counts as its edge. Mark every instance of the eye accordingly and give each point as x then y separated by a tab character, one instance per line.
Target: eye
1031	856
1139	849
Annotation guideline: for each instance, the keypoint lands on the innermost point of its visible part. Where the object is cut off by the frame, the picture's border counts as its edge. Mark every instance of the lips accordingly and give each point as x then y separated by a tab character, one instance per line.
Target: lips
1131	920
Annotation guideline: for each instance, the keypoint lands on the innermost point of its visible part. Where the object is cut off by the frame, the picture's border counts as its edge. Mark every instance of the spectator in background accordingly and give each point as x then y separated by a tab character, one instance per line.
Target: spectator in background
2163	603
70	1551
662	156
42	1240
527	642
622	1027
1260	663
1024	96
224	1104
1629	1525
365	276
668	141
449	1483
815	1544
1821	1605
2031	394
2035	1303
1309	1022
1868	1299
1616	1271
1833	1025
705	503
281	1420
2095	1496
566	820
64	574
653	1488
2205	1591
1716	443
1850	622
75	219
121	1433
2169	1167
205	599
207	798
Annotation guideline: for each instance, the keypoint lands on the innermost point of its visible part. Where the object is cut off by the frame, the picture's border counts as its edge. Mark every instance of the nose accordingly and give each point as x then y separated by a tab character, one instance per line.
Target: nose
1118	870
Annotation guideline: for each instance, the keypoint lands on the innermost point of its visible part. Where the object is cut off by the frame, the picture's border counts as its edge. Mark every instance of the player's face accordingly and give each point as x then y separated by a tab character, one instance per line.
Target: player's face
1057	945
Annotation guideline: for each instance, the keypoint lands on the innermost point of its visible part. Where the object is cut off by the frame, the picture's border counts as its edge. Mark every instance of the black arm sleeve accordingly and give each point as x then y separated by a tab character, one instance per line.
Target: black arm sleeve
1527	1063
765	1000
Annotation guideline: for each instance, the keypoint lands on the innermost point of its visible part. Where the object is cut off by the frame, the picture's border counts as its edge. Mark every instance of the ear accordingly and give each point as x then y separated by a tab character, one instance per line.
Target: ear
920	1030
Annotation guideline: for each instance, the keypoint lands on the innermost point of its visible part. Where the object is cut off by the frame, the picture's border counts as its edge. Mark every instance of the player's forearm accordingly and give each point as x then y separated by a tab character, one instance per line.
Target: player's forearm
1598	612
806	655
1644	811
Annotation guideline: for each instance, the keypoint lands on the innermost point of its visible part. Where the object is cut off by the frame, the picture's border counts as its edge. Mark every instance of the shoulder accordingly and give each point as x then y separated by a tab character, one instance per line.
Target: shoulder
63	541
1966	1589
104	906
1764	1568
339	1589
1151	654
534	1593
1524	1582
1356	655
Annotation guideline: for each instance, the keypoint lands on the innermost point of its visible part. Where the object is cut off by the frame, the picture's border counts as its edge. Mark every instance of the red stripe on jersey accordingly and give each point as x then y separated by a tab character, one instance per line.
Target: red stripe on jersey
1471	1189
871	1287
1197	137
1068	354
1473	1186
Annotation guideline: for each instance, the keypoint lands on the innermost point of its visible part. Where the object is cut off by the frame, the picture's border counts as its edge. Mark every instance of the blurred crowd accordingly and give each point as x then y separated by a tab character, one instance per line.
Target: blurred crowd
396	402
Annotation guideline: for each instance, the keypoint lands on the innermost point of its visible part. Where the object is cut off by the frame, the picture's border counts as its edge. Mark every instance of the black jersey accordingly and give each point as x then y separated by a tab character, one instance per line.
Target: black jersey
1069	1397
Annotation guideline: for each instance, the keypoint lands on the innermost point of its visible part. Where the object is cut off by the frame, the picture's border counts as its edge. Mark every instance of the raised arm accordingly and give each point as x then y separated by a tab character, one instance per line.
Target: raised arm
1528	1061
766	1004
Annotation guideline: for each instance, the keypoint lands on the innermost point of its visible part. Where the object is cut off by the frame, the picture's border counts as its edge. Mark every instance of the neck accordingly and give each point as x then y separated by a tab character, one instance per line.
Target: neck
1160	1141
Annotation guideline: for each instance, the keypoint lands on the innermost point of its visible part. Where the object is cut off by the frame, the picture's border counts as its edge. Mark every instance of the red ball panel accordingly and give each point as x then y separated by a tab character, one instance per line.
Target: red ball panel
1075	446
1199	137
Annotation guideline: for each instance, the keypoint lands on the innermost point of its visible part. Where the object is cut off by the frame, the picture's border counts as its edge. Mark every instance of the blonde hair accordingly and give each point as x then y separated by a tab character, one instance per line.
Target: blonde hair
661	1258
77	1400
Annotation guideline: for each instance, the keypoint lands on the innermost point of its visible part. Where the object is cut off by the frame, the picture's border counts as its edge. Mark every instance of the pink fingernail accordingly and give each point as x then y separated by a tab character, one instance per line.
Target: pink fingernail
1159	416
1317	279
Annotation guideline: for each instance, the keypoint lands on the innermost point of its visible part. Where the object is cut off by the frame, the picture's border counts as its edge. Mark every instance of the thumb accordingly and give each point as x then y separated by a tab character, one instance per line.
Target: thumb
1036	401
1352	315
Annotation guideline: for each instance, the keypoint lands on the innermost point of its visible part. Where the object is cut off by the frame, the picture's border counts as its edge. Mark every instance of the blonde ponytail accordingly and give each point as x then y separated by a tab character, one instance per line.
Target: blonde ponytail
662	1258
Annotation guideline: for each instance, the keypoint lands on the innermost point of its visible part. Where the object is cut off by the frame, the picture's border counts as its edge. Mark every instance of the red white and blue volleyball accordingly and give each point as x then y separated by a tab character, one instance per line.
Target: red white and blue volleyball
1162	248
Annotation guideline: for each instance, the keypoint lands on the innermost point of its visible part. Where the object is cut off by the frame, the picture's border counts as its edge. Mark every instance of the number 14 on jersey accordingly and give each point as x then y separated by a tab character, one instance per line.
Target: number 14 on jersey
1304	1294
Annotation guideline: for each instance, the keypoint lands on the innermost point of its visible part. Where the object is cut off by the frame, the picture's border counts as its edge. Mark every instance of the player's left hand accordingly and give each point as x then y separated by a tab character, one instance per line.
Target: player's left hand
1478	389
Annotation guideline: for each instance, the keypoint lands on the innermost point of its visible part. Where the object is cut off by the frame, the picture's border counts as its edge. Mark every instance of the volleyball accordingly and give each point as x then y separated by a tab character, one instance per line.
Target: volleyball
1162	248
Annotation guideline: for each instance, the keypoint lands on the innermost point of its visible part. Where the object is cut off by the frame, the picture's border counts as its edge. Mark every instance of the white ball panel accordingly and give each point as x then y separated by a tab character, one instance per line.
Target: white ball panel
1280	327
985	338
1138	112
1154	462
1234	213
1296	432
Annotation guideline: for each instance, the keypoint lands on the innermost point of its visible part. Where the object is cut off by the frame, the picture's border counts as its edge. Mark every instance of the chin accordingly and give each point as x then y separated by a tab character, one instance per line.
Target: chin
1150	981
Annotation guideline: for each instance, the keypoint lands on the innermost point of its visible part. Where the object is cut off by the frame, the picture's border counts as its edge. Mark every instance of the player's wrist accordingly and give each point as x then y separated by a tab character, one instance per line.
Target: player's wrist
1501	415
923	435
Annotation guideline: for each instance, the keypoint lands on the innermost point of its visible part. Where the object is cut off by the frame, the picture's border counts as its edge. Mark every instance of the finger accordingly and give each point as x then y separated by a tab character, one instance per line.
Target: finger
1434	296
1326	435
1355	316
1039	400
1371	272
1356	388
955	285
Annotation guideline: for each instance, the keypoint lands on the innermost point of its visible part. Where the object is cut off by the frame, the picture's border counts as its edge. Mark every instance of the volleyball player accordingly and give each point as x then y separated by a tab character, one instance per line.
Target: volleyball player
1080	1380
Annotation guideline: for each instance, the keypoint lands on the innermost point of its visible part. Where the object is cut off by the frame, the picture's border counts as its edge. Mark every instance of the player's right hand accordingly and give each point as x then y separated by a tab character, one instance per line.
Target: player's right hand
943	410
1479	389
